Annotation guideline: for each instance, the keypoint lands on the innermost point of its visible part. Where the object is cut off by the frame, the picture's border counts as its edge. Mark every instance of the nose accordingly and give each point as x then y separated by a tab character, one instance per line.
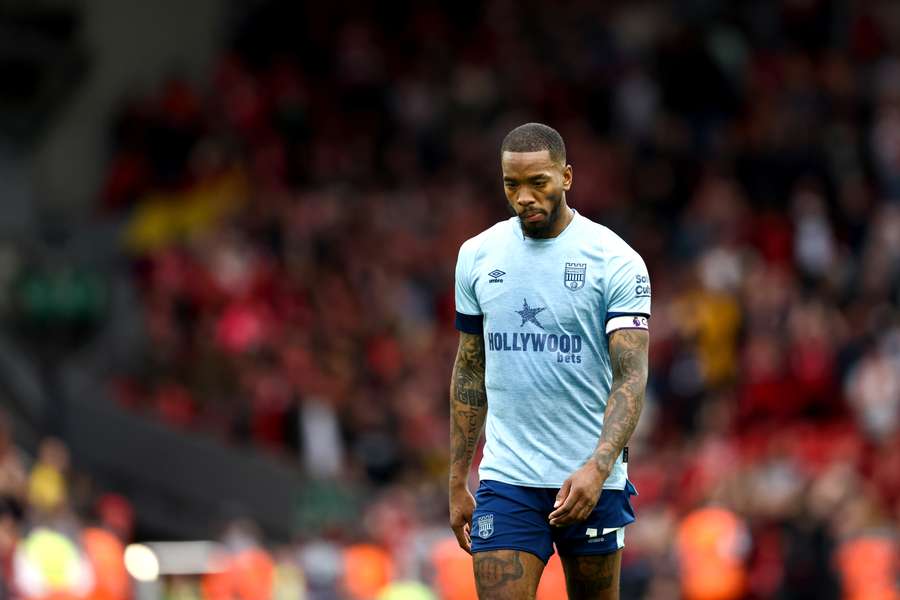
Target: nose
524	198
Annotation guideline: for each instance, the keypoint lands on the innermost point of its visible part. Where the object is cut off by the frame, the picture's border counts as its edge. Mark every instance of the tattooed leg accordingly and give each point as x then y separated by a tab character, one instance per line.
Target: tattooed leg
593	577
507	574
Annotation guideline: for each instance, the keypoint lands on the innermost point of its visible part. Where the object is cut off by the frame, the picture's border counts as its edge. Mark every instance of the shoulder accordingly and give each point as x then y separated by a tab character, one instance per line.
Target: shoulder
475	245
608	242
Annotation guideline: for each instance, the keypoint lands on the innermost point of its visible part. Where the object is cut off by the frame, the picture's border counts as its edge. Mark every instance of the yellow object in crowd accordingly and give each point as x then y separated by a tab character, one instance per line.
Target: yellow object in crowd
49	565
406	590
162	219
46	488
713	320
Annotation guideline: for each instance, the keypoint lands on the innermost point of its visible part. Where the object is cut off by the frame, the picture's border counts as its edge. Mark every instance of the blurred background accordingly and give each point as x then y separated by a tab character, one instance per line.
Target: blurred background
227	239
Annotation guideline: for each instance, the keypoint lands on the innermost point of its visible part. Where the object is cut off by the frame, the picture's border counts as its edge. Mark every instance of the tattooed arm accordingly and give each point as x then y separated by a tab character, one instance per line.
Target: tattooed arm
468	408
628	354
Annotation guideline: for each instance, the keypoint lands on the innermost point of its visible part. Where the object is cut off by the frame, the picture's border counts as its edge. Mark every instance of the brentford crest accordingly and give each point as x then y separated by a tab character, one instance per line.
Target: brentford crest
574	276
486	525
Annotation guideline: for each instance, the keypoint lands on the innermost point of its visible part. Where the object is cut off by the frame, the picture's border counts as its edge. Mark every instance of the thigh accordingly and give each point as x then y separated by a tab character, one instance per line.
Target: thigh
593	577
507	574
509	517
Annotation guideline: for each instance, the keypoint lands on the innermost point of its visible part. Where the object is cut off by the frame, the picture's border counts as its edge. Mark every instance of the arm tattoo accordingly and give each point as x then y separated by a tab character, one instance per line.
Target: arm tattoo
628	354
468	404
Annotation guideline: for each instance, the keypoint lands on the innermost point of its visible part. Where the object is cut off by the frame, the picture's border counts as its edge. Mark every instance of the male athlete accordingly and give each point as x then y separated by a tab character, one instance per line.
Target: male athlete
552	310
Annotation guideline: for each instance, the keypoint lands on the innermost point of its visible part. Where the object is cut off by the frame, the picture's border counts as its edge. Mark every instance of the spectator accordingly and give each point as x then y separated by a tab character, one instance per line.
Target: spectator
13	477
245	571
712	545
47	484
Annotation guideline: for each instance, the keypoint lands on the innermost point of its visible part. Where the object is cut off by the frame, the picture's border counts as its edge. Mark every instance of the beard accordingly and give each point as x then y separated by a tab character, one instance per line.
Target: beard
541	230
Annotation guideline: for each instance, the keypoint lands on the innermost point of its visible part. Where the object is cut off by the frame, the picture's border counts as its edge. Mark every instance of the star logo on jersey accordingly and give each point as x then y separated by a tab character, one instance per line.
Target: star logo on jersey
529	314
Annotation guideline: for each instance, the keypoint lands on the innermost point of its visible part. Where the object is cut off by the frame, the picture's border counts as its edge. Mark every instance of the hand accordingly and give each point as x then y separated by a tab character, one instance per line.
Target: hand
578	496
462	505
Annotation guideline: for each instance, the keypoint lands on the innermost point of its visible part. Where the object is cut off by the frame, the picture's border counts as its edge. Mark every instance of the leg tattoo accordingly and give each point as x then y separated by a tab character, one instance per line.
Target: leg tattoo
593	577
506	574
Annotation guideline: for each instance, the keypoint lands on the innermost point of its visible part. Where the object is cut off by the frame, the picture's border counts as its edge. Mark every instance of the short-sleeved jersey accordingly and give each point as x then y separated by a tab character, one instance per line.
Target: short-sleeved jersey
546	308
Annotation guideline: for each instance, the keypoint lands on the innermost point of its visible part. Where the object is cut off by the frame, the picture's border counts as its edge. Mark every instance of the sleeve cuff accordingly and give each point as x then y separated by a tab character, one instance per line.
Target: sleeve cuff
627	322
470	323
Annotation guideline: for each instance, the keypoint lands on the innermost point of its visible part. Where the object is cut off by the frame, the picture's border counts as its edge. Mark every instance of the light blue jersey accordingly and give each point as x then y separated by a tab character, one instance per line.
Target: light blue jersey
546	308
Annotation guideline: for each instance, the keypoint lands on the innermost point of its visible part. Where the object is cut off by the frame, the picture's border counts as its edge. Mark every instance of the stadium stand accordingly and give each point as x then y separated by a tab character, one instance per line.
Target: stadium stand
291	228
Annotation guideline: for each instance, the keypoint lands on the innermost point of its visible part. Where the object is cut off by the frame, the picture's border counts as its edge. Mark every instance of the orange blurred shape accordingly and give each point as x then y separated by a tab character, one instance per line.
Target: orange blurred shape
454	577
106	554
553	581
367	569
711	545
868	567
247	575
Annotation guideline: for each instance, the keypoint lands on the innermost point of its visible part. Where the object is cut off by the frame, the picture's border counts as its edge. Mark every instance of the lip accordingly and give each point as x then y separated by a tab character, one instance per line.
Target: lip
532	217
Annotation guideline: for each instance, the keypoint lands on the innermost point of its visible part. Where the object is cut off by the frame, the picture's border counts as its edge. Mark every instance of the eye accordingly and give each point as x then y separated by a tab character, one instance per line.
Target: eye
510	184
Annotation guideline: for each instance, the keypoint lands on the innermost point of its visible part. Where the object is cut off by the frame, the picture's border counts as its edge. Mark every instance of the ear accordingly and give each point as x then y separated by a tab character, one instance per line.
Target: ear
567	178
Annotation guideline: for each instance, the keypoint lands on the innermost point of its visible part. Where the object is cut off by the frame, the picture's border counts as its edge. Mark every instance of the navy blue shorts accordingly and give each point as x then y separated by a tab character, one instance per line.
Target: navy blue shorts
515	517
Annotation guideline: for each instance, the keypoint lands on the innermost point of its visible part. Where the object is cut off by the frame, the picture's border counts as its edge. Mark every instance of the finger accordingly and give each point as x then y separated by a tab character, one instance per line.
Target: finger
569	517
583	514
563	511
572	500
563	493
467	530
580	514
464	543
462	539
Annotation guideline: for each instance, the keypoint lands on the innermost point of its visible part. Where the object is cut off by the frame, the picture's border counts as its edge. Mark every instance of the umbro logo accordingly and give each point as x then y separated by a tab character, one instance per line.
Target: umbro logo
496	275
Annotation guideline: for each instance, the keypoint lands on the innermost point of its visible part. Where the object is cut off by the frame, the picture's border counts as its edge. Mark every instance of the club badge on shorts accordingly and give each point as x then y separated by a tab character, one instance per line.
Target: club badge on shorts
574	276
486	525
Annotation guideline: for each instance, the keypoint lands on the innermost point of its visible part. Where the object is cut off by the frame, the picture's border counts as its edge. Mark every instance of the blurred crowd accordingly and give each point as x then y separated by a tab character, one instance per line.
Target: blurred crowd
58	538
63	538
293	225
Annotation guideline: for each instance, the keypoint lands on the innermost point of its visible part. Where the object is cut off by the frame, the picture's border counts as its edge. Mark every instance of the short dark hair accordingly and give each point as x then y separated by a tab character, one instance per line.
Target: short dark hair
534	137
